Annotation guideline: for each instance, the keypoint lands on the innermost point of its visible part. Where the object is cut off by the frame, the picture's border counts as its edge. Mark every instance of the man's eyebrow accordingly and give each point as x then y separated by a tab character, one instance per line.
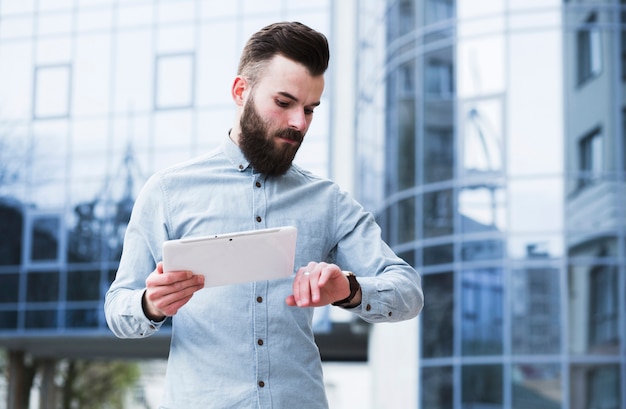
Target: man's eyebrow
294	99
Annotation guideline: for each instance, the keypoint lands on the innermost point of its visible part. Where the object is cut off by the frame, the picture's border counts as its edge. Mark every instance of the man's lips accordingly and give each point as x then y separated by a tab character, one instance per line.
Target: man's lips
288	140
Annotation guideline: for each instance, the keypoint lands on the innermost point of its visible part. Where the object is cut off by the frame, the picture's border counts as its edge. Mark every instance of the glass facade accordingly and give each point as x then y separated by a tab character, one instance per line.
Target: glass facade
505	185
95	95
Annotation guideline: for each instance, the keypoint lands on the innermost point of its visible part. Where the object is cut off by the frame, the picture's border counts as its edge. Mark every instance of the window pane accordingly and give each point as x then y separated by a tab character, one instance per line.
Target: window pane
45	236
82	318
438	154
481	298
437	388
595	387
9	291
42	287
535	299
482	387
405	161
482	250
441	254
83	285
438	213
482	208
406	220
437	317
482	138
41	319
175	81
8	320
537	386
593	300
52	91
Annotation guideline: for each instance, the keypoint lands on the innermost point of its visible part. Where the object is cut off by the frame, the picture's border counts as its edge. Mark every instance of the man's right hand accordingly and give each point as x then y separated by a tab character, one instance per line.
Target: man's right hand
166	293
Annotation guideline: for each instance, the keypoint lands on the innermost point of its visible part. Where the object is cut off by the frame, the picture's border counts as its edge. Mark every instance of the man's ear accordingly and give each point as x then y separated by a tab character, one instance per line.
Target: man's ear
239	88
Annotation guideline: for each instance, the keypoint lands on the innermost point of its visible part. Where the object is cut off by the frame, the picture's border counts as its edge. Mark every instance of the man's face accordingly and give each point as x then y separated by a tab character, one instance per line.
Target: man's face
266	152
277	115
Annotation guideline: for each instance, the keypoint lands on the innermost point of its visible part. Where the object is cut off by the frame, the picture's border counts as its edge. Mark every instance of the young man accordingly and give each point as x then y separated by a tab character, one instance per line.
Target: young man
252	345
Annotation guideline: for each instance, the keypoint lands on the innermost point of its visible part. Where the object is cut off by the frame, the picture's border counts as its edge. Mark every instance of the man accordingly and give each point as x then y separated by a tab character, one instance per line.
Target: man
252	345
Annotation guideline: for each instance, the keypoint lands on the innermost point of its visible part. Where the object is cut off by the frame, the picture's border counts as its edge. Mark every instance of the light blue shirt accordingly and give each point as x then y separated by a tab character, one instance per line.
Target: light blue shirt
242	346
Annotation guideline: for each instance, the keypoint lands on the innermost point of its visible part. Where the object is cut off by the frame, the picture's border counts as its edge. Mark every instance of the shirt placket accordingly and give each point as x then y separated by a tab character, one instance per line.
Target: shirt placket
261	302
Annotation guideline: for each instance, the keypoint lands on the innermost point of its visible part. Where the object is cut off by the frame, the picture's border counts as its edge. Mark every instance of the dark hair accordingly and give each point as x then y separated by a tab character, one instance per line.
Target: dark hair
292	40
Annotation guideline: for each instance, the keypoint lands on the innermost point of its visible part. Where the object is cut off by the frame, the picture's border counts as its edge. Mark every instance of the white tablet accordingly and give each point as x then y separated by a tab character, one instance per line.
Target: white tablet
234	258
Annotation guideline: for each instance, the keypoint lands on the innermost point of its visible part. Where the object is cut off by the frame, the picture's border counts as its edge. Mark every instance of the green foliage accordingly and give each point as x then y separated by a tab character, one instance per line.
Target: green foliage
97	384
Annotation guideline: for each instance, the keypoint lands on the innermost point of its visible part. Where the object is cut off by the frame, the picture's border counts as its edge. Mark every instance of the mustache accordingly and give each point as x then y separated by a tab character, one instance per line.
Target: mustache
290	134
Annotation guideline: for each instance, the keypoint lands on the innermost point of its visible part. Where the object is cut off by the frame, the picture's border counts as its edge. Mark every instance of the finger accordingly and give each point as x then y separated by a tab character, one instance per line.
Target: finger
169	299
313	287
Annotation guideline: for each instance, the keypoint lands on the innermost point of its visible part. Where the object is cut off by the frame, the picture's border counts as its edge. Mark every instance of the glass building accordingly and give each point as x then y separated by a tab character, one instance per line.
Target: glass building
96	95
500	125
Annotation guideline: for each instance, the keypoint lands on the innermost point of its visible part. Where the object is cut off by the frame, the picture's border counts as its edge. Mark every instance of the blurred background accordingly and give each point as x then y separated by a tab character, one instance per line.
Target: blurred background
488	138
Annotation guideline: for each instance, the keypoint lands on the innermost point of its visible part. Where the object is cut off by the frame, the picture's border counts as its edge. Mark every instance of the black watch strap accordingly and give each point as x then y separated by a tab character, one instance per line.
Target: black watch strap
354	288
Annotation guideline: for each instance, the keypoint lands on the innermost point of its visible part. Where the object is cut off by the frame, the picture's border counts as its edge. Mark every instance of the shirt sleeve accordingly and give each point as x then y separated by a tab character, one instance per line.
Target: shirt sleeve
391	289
142	248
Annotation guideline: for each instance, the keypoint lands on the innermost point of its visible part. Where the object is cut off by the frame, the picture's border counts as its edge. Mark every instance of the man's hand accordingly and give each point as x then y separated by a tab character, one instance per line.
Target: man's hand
319	284
166	293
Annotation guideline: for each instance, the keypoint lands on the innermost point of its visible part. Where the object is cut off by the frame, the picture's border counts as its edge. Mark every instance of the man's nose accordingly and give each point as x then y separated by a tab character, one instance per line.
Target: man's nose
297	120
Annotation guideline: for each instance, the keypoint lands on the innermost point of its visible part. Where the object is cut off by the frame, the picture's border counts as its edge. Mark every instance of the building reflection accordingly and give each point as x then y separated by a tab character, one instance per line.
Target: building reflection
505	178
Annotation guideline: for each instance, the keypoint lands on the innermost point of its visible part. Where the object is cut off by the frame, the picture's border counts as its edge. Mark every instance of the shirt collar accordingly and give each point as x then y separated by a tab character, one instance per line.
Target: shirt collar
234	154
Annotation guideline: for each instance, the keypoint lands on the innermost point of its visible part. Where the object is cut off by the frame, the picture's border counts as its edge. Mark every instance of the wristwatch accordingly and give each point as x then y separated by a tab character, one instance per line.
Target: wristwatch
354	288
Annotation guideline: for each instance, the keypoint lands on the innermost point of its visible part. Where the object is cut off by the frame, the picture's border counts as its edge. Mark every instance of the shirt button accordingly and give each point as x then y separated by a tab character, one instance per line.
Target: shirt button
258	219
240	167
368	307
259	299
261	384
258	184
389	313
260	342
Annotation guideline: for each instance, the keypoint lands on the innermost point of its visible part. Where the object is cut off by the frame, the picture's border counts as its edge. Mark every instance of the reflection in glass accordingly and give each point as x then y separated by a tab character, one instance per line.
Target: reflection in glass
595	387
591	158
437	388
441	254
437	10
437	316
482	250
8	320
482	138
589	49
52	91
405	164
438	154
42	286
40	319
82	318
438	220
175	81
482	208
406	220
83	285
536	386
604	326
535	301
535	204
482	387
594	309
45	238
481	303
9	288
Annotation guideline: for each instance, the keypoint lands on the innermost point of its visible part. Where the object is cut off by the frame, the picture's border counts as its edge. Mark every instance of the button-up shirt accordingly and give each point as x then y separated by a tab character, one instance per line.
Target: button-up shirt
241	346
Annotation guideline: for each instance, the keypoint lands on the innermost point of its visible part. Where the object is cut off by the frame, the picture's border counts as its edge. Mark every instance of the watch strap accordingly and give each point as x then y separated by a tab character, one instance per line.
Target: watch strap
354	288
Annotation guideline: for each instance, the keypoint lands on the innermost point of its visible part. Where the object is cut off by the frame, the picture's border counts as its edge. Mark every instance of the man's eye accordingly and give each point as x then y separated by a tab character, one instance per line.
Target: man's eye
308	111
282	104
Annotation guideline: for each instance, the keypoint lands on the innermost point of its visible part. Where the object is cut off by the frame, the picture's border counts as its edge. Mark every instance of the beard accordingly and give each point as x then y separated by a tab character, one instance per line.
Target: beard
263	150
